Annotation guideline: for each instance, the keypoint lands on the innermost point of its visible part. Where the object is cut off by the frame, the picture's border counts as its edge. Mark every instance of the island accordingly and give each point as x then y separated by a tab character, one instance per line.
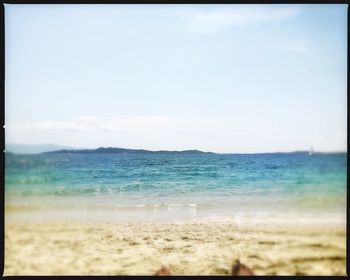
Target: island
123	151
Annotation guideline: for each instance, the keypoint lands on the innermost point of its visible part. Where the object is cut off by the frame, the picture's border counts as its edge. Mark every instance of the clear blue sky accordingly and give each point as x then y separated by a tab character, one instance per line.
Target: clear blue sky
221	78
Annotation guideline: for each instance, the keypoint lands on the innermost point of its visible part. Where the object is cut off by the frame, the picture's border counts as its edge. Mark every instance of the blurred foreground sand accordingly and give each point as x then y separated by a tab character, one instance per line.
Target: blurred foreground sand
188	249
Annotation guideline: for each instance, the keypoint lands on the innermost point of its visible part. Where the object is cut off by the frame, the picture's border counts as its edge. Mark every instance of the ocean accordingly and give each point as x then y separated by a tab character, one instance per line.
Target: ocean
175	188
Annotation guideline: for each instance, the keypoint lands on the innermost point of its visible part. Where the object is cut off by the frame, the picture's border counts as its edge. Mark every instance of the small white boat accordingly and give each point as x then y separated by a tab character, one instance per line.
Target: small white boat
311	151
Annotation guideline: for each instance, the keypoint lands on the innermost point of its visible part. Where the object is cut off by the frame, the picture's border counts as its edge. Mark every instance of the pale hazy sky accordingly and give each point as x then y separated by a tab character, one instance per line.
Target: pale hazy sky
221	78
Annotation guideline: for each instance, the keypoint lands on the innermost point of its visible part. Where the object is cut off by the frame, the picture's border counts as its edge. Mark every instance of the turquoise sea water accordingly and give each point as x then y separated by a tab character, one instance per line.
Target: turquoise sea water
173	187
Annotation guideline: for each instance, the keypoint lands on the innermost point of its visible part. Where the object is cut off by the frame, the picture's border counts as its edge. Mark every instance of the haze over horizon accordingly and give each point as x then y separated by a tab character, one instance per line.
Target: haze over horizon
218	78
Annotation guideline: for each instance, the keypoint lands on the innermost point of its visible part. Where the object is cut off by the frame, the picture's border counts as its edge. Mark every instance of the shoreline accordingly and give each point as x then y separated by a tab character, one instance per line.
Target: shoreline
172	215
210	248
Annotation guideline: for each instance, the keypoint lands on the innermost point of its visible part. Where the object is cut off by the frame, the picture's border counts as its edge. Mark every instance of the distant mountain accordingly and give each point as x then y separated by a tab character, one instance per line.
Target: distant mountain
124	151
34	149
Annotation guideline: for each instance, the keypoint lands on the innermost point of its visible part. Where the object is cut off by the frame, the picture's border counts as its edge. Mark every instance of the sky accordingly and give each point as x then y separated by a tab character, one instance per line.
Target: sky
220	78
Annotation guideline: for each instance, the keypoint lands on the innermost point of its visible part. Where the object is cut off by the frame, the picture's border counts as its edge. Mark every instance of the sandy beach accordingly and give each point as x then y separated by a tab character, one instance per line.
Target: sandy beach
187	249
203	140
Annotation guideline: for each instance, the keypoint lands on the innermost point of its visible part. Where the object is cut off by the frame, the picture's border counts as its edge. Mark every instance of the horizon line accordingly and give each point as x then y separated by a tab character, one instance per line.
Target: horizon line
169	150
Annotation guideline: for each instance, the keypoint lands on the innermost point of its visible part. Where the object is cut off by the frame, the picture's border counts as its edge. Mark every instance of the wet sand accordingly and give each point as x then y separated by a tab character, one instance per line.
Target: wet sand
187	249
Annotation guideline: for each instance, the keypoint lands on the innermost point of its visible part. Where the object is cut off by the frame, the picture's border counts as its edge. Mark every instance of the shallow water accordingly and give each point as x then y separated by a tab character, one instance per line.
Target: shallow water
175	188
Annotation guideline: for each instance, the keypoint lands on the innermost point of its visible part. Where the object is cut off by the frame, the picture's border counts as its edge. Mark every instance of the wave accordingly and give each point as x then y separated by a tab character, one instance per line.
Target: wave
162	213
55	205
